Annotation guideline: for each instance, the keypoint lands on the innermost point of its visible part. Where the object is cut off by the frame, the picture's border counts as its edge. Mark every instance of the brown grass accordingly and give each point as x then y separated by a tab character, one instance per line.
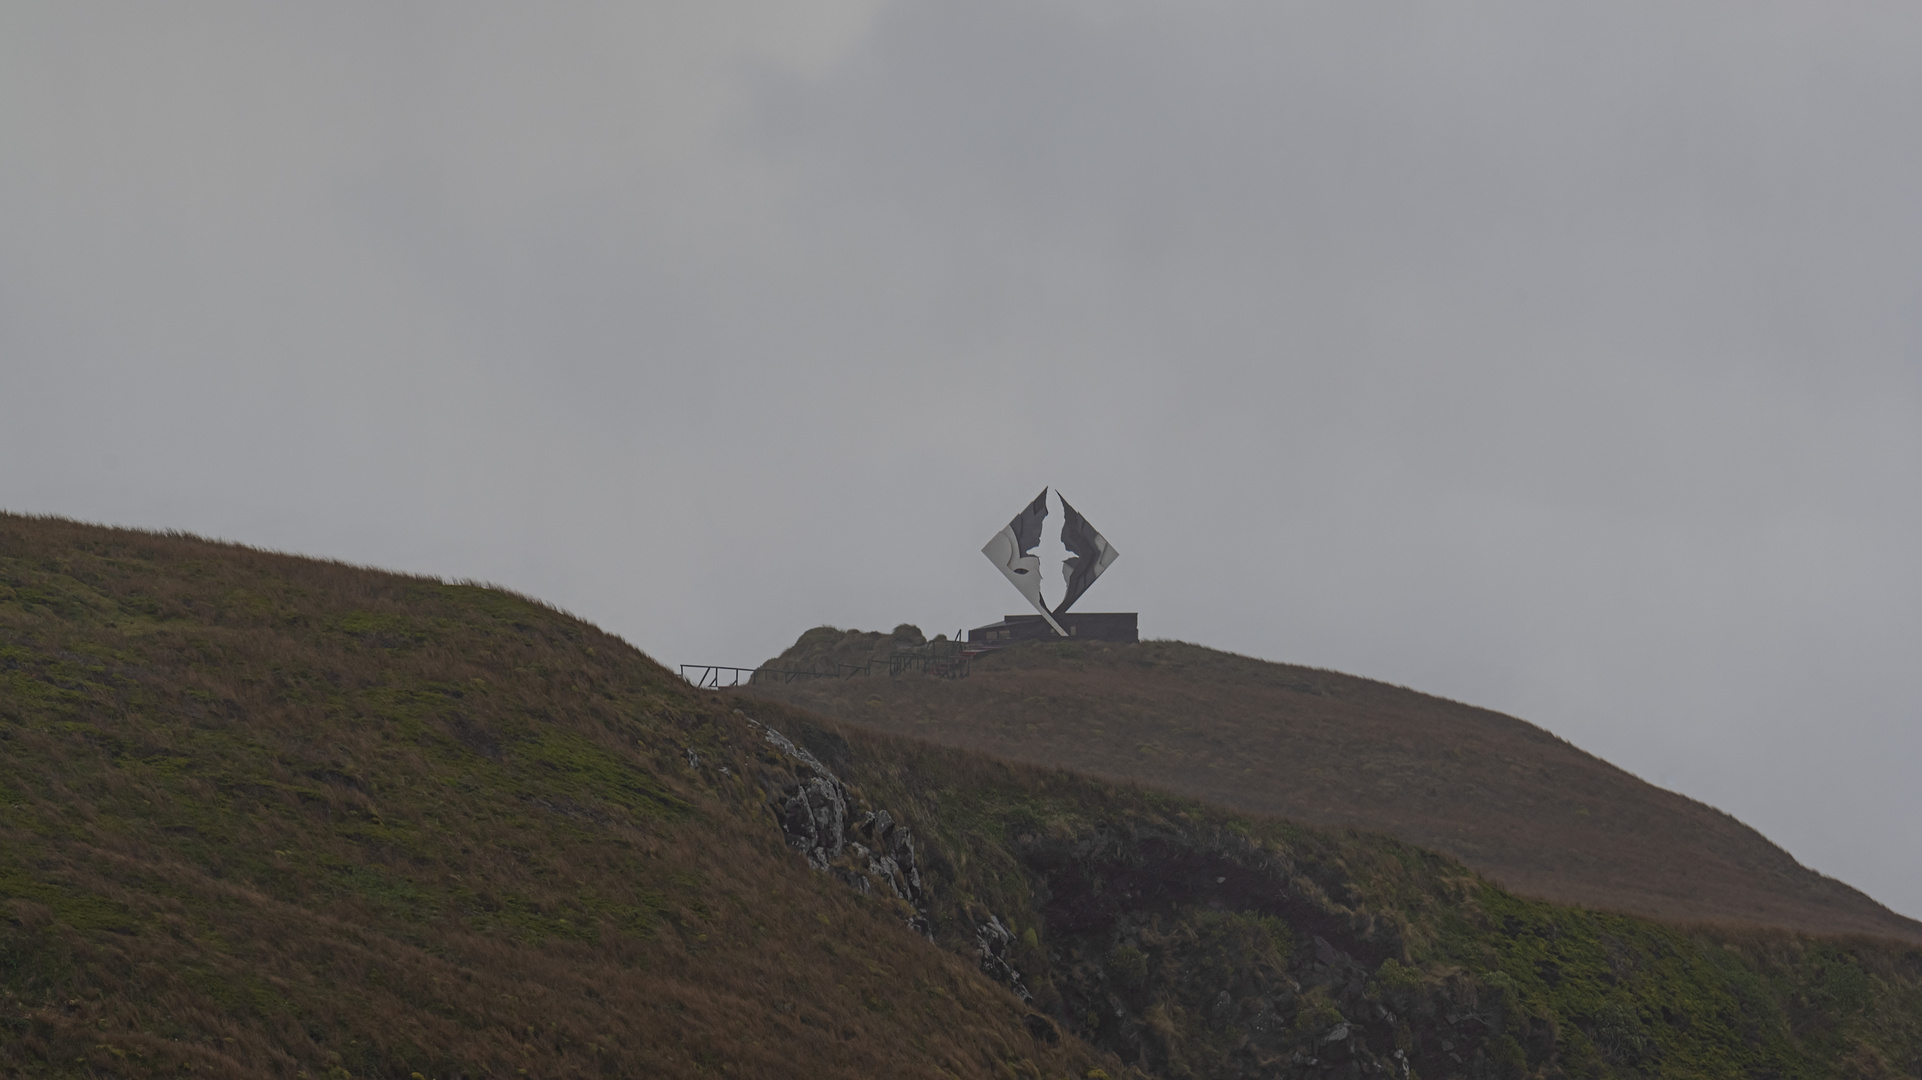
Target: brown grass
1507	798
266	816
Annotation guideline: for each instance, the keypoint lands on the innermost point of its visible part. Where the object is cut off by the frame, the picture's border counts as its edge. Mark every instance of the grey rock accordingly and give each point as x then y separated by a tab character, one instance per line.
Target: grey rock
821	820
991	943
815	816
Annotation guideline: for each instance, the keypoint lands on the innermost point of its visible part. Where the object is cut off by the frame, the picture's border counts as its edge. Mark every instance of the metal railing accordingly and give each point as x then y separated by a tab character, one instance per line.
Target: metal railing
941	665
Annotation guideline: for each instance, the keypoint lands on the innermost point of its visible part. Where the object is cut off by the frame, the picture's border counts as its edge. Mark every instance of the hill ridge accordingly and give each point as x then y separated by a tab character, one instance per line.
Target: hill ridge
1515	801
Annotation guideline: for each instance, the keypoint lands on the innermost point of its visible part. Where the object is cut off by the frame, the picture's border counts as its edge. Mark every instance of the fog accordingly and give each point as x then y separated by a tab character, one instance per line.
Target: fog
1564	361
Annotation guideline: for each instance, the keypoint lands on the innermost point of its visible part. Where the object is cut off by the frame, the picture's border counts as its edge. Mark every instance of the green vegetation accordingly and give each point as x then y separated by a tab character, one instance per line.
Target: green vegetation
266	816
1194	942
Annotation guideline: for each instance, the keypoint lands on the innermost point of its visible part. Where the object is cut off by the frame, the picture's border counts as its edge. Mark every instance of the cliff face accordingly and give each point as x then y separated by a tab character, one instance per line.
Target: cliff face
266	816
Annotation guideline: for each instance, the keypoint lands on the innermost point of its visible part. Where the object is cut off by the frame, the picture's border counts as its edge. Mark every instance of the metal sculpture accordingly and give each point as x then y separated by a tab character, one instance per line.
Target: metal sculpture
1092	554
1012	552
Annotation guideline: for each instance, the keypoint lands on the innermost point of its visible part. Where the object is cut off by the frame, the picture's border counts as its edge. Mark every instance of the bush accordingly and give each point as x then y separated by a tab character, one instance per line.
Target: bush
1127	966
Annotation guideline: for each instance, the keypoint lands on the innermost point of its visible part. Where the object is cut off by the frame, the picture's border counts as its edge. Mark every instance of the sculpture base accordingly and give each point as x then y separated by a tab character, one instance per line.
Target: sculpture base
1080	625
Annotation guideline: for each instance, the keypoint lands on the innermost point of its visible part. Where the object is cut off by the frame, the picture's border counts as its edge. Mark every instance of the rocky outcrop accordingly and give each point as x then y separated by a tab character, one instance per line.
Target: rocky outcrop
992	943
868	849
814	815
890	854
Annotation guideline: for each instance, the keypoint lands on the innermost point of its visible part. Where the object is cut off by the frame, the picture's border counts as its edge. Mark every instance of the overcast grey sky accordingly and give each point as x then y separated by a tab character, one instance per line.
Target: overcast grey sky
1564	359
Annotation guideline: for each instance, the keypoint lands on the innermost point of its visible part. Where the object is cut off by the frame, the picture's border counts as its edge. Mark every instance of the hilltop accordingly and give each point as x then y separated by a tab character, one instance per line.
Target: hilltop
1507	798
270	816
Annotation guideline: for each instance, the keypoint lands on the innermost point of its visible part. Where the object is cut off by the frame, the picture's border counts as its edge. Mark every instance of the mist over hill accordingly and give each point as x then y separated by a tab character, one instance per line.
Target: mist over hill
271	816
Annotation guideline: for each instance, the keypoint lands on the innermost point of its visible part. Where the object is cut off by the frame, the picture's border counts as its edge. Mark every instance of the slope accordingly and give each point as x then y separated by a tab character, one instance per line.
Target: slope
267	816
1197	943
1504	796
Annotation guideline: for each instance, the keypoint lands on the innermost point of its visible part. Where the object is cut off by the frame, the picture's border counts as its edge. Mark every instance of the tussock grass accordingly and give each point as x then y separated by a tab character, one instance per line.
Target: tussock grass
267	816
270	816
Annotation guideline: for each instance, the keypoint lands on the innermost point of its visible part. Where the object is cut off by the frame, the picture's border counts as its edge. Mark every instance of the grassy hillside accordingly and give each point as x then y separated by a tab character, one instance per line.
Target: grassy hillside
1504	796
1193	942
265	816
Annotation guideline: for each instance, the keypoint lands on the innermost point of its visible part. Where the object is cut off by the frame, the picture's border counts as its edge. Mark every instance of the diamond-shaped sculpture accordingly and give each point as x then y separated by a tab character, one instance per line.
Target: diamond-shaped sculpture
1012	552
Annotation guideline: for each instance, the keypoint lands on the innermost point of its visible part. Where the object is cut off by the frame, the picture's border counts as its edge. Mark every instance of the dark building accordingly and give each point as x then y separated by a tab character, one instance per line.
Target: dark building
1080	625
